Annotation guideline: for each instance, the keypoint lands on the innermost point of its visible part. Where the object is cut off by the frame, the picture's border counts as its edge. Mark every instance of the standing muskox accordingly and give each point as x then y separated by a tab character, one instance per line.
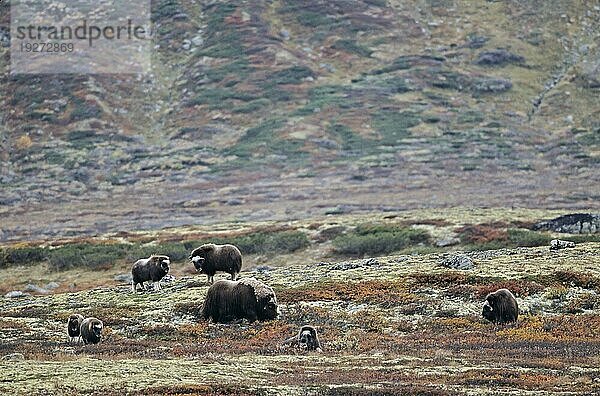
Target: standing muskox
501	307
154	268
74	326
306	339
247	298
210	258
91	330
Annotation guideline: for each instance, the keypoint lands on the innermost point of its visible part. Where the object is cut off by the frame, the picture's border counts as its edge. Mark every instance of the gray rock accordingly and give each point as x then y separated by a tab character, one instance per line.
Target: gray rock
557	244
124	278
492	85
348	265
198	41
498	57
13	357
35	289
15	294
186	45
443	242
576	223
285	34
182	16
475	41
326	143
458	262
52	286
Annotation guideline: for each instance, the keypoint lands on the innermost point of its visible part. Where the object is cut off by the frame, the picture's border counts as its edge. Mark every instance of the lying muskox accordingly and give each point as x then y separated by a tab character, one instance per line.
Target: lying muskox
210	258
247	298
91	330
154	268
306	339
73	327
501	307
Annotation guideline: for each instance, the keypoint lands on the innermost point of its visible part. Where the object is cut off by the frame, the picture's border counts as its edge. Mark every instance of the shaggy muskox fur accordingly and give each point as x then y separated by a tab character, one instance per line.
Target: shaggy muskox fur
306	339
501	307
91	330
73	327
247	298
154	268
210	258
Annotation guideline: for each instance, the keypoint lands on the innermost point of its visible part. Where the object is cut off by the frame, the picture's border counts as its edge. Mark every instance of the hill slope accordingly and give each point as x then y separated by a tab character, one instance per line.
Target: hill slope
291	108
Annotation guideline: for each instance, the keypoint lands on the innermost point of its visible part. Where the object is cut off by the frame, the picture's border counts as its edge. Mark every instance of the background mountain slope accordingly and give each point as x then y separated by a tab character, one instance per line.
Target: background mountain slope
284	109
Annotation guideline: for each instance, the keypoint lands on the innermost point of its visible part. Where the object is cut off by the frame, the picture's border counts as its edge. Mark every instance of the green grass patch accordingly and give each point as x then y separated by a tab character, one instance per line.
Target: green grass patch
373	239
393	125
352	47
103	256
219	97
313	19
252	106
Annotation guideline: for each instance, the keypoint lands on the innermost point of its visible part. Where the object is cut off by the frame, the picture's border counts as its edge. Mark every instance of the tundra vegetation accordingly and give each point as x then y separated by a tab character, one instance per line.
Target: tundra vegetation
395	323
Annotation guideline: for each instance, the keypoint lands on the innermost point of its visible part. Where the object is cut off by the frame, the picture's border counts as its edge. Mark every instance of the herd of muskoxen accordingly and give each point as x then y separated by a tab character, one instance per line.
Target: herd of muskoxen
247	298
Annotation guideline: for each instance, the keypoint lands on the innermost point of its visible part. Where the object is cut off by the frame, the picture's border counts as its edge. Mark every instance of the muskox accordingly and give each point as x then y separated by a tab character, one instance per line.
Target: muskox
91	330
210	258
154	268
247	298
501	307
73	327
306	339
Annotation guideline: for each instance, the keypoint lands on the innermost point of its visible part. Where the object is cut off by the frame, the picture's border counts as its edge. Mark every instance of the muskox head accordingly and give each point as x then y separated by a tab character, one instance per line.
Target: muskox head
97	329
488	312
198	256
267	308
74	323
308	339
162	262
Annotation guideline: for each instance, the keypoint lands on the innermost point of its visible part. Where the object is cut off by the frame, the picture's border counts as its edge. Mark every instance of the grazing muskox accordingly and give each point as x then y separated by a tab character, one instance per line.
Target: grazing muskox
306	339
247	298
210	258
501	307
73	327
91	330
154	268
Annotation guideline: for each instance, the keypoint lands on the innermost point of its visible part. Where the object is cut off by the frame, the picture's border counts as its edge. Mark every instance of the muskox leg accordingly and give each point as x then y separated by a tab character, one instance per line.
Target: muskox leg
233	276
133	286
157	286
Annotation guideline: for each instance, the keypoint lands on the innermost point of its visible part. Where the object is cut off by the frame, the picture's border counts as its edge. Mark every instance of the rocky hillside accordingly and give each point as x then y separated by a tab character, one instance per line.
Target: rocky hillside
402	324
279	109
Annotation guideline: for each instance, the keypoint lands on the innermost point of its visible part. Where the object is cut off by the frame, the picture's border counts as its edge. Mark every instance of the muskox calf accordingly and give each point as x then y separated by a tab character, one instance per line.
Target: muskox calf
247	298
154	268
74	326
501	307
306	339
91	330
210	258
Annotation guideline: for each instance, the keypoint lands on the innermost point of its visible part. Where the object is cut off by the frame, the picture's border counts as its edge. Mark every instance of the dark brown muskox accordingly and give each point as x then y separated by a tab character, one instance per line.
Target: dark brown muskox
91	330
154	268
210	258
73	327
501	307
247	298
306	339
